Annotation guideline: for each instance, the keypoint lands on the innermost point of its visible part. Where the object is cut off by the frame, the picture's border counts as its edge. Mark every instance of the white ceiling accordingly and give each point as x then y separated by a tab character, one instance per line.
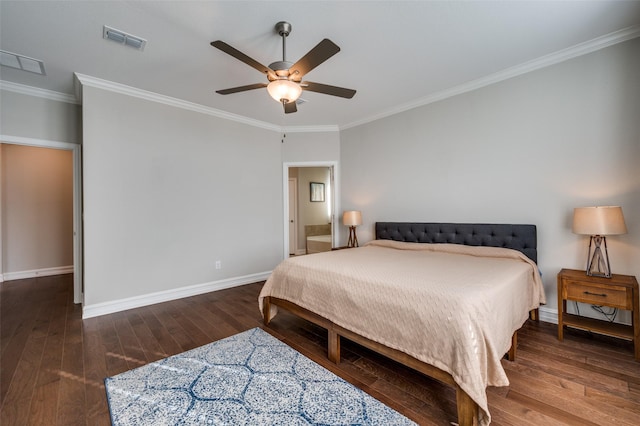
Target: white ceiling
394	53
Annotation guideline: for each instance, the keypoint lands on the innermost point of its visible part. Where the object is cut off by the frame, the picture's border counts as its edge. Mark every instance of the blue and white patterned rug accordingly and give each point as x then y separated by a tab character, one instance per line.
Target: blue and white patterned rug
251	378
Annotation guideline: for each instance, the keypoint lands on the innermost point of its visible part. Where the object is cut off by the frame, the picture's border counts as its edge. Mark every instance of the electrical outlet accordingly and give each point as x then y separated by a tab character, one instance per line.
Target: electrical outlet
218	264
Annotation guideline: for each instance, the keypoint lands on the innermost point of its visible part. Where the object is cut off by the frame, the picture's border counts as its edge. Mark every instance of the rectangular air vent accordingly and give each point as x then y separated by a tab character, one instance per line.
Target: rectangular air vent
21	62
123	38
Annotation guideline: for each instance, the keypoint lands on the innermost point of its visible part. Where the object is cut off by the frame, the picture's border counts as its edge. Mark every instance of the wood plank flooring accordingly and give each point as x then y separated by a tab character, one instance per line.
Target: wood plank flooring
53	363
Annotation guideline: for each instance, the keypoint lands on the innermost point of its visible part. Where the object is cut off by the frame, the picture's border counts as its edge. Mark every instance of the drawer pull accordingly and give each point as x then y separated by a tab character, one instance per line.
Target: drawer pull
595	294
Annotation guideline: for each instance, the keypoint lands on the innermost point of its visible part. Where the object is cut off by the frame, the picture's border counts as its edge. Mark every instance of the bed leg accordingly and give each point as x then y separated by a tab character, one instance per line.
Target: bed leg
467	409
534	314
266	309
511	355
334	346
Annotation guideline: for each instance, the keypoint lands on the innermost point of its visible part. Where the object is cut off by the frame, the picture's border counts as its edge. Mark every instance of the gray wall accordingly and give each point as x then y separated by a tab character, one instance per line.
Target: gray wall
167	192
526	150
39	118
311	146
37	208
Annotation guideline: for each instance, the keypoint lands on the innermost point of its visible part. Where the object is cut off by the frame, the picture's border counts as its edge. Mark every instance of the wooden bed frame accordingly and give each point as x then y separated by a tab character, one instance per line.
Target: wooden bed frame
471	234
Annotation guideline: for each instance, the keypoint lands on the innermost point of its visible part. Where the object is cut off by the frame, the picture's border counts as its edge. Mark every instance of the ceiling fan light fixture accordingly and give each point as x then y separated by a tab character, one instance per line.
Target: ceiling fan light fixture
285	79
284	90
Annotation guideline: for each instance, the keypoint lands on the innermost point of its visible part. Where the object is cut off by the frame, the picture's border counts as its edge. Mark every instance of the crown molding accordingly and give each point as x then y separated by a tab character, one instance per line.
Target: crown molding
85	80
37	92
123	89
526	67
311	129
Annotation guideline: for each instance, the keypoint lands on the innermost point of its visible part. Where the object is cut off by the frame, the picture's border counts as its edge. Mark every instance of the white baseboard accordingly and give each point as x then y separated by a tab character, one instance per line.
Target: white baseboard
300	252
548	314
89	311
34	273
551	315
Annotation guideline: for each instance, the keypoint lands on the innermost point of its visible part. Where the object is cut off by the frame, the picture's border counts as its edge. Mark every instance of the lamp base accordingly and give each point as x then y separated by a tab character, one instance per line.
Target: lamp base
353	238
598	264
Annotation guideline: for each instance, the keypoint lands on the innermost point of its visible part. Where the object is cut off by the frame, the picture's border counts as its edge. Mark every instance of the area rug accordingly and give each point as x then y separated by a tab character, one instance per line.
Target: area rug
251	378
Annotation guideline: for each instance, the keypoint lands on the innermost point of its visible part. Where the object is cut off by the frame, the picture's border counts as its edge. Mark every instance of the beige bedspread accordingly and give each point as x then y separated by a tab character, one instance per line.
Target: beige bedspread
452	306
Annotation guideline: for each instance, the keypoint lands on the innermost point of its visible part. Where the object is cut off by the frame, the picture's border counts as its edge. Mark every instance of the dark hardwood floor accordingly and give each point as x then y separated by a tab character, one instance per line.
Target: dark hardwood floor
54	363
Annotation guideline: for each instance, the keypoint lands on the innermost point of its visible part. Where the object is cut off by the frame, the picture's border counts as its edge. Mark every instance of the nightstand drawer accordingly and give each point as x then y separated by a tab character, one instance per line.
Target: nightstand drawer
613	296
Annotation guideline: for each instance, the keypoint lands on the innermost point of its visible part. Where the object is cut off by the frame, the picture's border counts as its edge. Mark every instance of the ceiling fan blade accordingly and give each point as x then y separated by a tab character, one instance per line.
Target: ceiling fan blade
241	88
323	51
219	44
290	107
327	90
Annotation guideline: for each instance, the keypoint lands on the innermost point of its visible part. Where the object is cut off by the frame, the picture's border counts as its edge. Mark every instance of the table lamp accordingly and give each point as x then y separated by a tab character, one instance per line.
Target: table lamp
352	219
598	222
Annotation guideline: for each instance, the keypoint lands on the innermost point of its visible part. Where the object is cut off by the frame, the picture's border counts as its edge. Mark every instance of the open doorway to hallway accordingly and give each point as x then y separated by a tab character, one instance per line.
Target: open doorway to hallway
37	211
41	226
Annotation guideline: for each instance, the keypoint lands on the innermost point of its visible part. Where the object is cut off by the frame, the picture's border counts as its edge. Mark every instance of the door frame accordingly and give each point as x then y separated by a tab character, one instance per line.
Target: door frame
78	296
334	198
294	182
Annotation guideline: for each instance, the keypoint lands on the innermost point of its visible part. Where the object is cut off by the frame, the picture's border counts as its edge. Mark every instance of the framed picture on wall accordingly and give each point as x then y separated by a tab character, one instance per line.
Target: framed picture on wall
317	191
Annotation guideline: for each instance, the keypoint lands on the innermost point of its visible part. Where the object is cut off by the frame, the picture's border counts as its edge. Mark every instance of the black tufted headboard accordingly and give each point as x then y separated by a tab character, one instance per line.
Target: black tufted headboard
517	237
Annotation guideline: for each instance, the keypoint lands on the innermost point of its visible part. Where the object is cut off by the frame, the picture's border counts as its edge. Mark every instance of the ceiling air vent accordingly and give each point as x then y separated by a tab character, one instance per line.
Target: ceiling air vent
123	38
20	62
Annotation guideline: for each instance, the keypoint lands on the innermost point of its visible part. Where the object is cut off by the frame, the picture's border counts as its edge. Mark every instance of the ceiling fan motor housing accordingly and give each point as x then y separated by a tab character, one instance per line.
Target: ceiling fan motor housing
283	28
281	69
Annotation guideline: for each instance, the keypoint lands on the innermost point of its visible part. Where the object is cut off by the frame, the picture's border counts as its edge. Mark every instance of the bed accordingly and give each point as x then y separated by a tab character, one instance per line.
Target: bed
318	238
444	299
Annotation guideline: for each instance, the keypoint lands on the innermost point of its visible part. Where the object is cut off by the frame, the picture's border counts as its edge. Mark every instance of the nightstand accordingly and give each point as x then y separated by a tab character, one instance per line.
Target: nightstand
619	291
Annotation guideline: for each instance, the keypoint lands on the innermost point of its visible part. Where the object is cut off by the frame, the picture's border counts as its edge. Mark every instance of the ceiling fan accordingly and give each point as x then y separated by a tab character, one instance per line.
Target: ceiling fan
285	78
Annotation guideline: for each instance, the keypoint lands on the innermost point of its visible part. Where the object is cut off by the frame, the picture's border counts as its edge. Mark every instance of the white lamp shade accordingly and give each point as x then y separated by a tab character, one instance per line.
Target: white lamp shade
602	220
284	90
352	218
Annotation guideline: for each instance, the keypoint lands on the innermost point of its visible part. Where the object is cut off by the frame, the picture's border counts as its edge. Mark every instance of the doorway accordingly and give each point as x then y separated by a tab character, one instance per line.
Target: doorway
293	216
77	203
305	213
